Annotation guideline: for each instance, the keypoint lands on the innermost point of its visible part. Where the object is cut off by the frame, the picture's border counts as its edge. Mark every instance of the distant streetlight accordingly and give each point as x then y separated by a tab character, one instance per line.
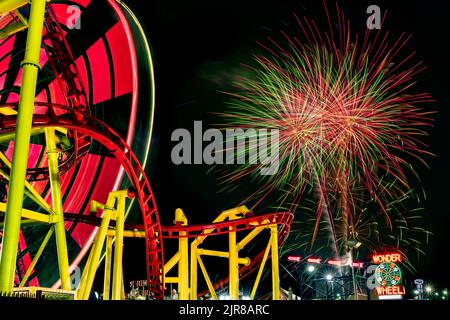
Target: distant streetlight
329	277
310	269
428	289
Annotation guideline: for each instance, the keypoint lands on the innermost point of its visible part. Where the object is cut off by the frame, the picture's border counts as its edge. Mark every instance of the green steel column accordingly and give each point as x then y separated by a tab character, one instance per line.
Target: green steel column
21	146
275	263
233	264
193	271
118	248
107	272
60	229
96	249
183	262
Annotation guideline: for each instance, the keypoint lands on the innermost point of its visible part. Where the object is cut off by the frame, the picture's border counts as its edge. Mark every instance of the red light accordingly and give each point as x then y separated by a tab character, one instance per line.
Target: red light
314	260
294	258
334	262
388	291
392	257
358	264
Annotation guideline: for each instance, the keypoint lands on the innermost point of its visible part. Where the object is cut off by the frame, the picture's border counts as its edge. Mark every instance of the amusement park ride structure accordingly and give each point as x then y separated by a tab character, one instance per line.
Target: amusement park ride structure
70	129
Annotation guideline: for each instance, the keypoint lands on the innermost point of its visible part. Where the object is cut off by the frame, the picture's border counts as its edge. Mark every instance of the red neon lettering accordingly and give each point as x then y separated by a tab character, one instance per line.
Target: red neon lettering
380	258
387	291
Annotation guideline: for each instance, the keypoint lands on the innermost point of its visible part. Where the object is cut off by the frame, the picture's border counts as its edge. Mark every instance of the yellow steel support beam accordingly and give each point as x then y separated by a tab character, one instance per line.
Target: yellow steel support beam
183	263
275	266
31	68
193	267
10	5
24	222
8	111
129	233
252	235
222	217
118	245
36	257
222	254
84	275
207	279
30	192
107	272
242	210
96	251
261	269
171	279
15	27
123	295
233	264
172	262
60	230
32	215
10	136
113	209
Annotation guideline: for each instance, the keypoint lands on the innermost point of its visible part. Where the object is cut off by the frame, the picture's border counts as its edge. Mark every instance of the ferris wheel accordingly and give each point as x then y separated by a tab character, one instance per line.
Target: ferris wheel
95	91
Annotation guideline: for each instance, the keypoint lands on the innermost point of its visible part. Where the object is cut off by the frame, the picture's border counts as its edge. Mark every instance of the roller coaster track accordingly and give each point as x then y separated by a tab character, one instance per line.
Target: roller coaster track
282	219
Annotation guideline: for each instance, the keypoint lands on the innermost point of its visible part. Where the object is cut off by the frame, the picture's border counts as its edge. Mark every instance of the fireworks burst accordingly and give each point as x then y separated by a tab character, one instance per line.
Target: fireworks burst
345	115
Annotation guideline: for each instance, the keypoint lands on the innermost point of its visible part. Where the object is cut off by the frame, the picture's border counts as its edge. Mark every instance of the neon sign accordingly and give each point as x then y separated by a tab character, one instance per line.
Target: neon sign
388	276
393	257
391	291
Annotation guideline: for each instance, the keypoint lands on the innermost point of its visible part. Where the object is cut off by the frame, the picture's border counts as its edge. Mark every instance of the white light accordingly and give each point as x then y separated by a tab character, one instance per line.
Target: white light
224	297
428	289
416	291
311	268
246	298
329	277
391	297
445	292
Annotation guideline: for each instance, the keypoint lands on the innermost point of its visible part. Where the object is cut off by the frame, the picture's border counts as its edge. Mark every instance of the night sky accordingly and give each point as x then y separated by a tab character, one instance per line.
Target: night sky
197	47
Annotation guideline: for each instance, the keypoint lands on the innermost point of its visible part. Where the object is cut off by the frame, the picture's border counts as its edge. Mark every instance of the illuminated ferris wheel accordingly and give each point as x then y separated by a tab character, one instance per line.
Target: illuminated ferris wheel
94	96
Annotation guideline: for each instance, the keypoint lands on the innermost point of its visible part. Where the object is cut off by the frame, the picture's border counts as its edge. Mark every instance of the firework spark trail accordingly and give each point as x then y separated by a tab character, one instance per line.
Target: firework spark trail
404	236
343	110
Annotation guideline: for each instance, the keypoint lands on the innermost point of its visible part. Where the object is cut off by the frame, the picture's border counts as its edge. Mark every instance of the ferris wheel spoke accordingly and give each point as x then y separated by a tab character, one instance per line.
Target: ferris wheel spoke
57	205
